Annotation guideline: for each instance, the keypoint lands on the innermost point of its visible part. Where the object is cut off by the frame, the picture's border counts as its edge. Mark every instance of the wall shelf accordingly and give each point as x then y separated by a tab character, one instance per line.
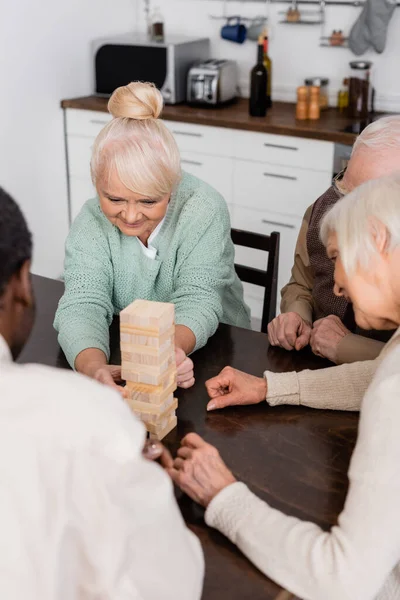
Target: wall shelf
301	22
326	45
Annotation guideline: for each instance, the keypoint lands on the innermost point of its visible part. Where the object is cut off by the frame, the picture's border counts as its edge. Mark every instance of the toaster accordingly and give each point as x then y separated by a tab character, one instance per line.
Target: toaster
212	82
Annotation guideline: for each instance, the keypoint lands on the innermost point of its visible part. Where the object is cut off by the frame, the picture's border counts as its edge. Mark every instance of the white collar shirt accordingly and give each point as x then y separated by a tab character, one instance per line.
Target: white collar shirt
149	250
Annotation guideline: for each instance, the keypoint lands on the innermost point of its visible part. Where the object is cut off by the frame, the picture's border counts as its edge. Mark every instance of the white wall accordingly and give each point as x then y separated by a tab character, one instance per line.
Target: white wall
45	57
294	48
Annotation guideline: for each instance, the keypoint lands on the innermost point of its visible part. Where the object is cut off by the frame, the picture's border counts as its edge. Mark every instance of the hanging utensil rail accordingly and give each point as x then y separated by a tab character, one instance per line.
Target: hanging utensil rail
355	3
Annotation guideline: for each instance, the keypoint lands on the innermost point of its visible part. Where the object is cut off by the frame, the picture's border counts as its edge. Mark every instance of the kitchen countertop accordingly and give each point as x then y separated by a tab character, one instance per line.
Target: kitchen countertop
280	119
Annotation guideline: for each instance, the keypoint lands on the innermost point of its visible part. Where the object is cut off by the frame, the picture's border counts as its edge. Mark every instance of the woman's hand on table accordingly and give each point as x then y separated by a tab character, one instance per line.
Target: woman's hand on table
199	470
232	387
184	368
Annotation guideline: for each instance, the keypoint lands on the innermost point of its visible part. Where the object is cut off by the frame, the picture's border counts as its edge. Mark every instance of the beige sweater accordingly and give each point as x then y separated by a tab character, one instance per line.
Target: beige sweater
359	559
338	388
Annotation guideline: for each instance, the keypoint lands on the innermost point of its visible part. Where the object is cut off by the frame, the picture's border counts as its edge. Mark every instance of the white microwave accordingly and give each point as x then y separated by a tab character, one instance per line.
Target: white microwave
134	57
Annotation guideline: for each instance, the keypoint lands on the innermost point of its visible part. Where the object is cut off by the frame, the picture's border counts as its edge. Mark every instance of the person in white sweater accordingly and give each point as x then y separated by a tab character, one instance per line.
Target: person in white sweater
359	558
83	514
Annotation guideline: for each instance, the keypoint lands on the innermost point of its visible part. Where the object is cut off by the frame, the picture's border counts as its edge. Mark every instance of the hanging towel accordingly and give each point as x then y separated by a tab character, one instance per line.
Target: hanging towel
370	29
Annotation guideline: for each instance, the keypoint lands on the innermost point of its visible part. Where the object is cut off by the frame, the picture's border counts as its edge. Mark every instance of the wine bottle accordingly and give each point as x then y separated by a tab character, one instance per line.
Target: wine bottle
268	65
258	84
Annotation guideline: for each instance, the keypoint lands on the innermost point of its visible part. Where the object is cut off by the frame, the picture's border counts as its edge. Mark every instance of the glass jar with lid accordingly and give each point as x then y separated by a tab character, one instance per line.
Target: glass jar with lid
322	83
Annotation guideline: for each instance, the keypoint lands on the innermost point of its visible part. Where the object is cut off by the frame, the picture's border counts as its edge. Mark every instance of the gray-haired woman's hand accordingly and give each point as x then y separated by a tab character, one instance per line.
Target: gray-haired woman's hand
184	366
199	470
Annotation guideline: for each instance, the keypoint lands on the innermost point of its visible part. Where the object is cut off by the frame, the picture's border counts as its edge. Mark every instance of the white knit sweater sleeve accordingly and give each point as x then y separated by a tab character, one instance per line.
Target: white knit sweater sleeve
360	555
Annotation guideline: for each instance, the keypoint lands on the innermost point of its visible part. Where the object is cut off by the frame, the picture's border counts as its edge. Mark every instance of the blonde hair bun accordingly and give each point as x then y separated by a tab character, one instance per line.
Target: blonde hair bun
137	100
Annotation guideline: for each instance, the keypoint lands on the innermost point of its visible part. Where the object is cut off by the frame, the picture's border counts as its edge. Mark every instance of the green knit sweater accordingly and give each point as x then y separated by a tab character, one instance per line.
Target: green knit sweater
106	270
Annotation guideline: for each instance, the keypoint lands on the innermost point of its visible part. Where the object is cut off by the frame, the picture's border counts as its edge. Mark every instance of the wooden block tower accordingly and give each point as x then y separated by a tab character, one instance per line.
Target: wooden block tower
148	364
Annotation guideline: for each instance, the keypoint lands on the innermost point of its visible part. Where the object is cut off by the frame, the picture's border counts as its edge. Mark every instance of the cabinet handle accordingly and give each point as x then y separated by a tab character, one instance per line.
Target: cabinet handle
277	223
191	162
280	176
98	122
281	147
189	133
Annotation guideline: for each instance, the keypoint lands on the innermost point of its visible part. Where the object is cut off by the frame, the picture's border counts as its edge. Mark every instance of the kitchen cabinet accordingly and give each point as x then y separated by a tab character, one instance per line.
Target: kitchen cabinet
267	180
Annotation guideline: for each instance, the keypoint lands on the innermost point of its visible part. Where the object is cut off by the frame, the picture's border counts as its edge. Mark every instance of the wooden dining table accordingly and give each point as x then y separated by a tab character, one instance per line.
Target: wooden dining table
294	458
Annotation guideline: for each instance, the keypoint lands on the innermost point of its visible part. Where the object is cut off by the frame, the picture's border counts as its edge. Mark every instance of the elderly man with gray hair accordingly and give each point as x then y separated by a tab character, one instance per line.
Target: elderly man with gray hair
311	314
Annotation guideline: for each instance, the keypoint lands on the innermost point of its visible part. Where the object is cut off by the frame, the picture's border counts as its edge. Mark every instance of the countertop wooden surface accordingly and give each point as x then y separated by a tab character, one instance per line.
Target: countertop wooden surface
279	120
292	457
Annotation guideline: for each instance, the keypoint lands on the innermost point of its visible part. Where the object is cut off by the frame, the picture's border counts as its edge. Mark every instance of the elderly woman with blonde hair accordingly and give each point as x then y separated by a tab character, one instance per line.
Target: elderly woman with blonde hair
360	557
152	233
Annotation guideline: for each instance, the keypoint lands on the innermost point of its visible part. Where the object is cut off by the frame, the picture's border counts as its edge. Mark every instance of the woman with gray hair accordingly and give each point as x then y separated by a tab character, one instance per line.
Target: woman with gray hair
152	232
360	557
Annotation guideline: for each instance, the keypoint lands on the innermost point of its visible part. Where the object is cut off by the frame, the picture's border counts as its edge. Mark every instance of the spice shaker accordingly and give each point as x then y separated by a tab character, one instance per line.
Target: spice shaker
322	83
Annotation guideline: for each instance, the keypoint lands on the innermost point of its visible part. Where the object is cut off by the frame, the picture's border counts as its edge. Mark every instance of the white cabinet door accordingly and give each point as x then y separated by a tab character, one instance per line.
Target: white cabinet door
216	141
266	223
284	150
81	190
214	170
287	190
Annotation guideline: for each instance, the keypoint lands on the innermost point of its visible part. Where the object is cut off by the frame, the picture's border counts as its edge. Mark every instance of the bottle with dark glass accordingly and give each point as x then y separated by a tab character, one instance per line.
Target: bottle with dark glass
258	84
268	65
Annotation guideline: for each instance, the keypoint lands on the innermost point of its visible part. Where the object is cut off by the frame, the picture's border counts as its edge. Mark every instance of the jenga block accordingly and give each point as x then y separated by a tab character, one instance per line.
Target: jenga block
154	358
142	337
152	420
159	435
148	316
148	349
153	375
151	409
142	392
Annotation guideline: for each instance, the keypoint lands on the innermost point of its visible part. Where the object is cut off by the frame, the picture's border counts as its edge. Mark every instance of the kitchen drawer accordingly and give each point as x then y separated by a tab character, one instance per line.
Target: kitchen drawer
86	123
214	170
287	190
79	155
266	223
80	190
215	141
284	150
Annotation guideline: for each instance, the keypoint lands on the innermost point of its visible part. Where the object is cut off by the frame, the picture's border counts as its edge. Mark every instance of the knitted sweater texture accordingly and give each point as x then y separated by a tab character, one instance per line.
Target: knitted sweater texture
194	268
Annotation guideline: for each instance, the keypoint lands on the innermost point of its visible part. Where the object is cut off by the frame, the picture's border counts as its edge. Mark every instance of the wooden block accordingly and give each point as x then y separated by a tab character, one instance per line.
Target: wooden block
159	425
149	316
159	435
153	359
153	421
150	350
141	392
152	375
143	337
151	409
